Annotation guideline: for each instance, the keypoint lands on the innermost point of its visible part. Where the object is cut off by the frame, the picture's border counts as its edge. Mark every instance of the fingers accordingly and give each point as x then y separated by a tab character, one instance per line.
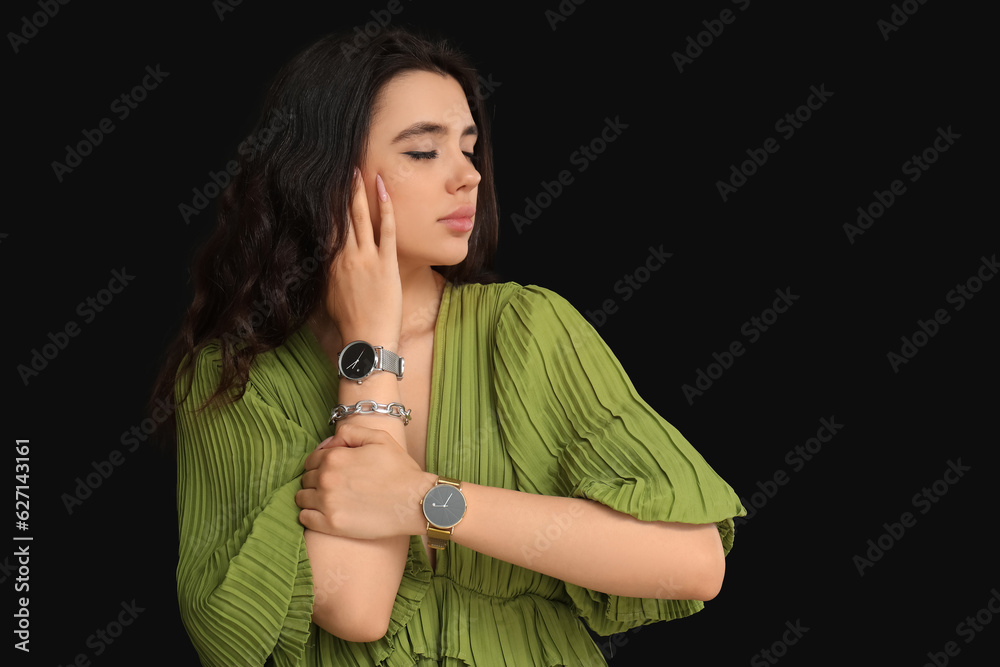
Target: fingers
387	232
313	520
352	237
315	457
348	435
332	441
307	498
361	221
309	480
357	436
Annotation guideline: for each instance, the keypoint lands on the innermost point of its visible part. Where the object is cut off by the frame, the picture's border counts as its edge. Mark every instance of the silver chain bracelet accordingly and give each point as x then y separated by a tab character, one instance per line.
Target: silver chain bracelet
370	407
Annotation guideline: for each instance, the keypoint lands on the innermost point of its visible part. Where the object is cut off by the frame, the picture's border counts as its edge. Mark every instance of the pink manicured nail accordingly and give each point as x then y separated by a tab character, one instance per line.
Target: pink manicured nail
382	194
320	445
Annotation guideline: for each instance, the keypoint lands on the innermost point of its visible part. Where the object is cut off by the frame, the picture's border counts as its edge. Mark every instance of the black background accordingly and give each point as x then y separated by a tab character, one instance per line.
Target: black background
655	185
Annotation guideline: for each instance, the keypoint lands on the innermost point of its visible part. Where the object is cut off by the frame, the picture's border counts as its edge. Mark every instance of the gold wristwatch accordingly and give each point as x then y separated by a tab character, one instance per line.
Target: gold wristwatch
444	506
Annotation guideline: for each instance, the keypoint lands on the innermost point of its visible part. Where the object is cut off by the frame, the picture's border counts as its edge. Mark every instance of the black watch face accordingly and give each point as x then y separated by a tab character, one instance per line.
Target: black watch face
444	506
357	360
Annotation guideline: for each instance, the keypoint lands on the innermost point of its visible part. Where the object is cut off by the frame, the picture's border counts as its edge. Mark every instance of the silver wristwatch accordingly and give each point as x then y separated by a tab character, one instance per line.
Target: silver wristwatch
359	359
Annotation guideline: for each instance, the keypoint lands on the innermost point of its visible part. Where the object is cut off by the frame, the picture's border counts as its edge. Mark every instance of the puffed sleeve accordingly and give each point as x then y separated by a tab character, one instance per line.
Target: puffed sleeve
575	426
244	581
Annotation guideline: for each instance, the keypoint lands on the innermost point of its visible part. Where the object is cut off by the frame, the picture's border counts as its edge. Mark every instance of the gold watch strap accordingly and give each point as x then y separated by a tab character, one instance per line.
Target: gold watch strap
438	538
448	480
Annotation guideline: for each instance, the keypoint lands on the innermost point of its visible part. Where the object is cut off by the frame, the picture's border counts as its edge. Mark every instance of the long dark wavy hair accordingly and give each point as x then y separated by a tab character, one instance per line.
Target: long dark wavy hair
281	221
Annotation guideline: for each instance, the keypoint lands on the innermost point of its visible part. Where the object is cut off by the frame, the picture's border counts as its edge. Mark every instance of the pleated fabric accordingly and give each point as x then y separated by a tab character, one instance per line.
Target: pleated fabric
525	395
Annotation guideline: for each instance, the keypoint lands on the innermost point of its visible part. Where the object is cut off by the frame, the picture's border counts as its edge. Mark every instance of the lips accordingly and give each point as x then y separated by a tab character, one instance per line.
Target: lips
459	213
459	220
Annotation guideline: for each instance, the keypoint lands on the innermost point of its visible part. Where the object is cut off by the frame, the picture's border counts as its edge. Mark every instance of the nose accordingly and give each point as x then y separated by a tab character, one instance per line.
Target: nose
464	174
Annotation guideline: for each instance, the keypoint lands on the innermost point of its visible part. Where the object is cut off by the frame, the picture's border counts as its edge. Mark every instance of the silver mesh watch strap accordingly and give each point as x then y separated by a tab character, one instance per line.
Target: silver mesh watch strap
387	360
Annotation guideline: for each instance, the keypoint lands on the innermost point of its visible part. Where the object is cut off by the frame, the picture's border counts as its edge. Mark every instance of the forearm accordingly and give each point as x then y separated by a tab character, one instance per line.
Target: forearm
354	580
380	387
590	545
355	583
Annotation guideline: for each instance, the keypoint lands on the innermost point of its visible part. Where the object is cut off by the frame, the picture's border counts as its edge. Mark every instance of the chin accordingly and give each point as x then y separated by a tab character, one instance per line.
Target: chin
451	258
439	260
452	261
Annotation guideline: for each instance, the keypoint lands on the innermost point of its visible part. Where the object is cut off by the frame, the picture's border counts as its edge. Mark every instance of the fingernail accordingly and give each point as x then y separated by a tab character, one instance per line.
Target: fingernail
380	186
357	172
320	445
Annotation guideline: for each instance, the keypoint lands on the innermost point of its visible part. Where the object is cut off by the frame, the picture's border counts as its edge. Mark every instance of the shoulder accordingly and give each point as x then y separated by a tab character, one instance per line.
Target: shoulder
509	298
511	308
522	320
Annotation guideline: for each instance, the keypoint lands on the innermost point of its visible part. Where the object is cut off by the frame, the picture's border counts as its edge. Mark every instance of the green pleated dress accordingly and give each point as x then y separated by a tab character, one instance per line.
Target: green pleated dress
525	395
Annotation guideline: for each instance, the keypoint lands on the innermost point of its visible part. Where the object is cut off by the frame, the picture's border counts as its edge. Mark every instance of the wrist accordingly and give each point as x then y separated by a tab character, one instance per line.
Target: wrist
384	338
417	523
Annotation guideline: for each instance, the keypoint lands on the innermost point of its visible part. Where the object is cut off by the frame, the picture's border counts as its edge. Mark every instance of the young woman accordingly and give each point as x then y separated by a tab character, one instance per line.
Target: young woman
488	480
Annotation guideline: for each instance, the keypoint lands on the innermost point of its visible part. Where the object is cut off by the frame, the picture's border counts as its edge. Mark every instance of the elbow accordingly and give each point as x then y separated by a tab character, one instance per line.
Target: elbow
354	621
707	582
695	581
698	571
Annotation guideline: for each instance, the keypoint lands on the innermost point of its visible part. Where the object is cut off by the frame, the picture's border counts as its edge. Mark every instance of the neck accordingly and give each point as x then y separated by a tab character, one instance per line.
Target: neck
422	290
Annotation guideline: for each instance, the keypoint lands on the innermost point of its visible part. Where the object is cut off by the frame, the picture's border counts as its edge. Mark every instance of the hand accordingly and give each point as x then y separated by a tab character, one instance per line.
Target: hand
360	483
364	295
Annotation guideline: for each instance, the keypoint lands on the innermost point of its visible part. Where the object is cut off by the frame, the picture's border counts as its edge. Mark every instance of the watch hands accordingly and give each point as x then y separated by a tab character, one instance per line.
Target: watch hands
356	360
445	502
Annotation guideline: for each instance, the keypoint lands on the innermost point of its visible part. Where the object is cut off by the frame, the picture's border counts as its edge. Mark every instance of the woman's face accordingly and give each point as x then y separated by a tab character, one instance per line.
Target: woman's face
421	139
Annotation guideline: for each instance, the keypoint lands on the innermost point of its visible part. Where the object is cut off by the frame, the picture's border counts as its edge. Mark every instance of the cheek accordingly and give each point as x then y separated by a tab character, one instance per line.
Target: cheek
407	196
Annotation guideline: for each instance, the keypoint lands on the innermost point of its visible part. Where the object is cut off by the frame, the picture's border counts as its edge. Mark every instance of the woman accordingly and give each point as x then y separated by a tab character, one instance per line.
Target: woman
488	476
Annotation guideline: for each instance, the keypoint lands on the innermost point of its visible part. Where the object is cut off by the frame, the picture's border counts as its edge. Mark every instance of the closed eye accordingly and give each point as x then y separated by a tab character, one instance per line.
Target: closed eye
431	155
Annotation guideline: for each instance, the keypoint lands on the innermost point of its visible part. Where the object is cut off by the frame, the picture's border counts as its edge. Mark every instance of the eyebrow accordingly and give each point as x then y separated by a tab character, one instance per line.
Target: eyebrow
422	127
